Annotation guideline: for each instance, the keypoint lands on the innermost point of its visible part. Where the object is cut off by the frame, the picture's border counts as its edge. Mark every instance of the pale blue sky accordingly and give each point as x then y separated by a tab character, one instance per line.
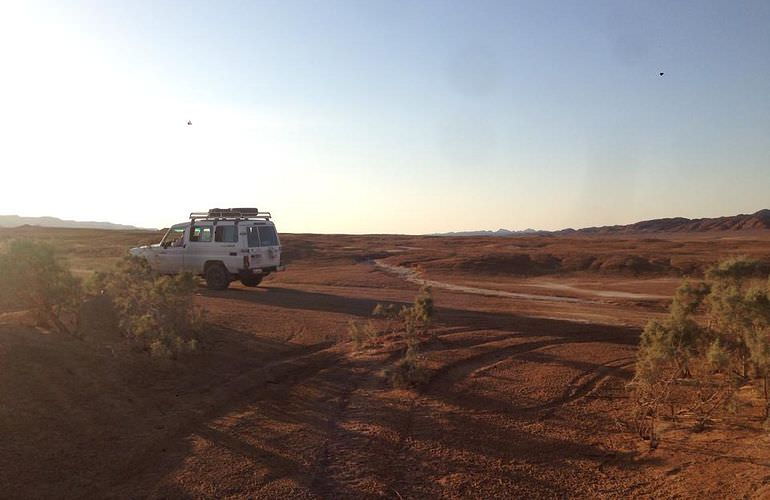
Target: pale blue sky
386	116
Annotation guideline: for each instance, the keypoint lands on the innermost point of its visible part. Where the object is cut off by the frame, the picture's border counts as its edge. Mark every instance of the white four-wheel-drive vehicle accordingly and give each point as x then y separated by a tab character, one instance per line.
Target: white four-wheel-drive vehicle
221	245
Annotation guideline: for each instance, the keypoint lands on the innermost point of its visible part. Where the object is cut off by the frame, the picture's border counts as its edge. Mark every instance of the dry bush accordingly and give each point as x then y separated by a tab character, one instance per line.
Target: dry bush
409	371
155	312
361	333
694	367
33	276
391	314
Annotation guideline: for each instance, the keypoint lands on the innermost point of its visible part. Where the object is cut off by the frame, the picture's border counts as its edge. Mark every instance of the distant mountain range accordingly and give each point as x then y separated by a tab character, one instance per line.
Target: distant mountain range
15	221
755	221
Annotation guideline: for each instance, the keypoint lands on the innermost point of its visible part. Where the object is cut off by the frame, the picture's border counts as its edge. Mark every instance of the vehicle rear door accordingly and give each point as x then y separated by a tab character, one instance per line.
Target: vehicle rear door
264	247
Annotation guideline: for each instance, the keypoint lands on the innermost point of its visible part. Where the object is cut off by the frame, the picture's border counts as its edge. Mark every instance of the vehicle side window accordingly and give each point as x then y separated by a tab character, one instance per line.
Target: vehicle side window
253	236
267	236
226	234
201	234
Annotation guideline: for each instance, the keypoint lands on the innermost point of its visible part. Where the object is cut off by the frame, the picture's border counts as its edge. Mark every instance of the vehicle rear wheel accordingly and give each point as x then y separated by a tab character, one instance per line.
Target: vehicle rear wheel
251	281
217	277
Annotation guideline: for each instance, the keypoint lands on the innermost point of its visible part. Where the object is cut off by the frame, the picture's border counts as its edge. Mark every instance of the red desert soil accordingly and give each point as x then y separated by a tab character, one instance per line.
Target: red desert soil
526	397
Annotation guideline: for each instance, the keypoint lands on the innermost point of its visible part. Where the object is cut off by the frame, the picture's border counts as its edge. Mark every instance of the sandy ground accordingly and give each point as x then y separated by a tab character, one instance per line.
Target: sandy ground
526	397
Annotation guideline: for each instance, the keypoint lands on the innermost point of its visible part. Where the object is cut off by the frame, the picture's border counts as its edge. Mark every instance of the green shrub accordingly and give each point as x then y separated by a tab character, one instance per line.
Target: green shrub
737	270
156	313
700	363
679	337
33	276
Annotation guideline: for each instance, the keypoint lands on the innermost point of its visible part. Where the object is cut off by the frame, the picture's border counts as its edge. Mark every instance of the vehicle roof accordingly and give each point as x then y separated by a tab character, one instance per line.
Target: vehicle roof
220	222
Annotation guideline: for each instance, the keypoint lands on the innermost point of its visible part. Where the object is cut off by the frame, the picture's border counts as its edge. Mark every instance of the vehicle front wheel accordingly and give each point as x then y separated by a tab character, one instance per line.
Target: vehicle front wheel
217	277
251	281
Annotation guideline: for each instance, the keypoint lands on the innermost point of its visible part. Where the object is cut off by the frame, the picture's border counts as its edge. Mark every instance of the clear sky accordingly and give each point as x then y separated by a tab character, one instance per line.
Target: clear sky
385	116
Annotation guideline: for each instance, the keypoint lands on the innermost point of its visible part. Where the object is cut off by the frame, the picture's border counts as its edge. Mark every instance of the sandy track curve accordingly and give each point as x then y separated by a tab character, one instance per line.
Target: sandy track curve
413	276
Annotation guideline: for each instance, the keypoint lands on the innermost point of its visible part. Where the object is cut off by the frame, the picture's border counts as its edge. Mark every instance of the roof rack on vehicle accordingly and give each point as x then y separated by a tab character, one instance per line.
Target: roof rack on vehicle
230	214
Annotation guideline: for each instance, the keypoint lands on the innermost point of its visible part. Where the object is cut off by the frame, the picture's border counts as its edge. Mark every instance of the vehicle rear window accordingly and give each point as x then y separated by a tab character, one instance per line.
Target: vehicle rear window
262	236
267	236
226	234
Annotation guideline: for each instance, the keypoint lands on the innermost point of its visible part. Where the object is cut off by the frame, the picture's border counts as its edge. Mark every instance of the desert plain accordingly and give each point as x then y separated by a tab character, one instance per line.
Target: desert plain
533	343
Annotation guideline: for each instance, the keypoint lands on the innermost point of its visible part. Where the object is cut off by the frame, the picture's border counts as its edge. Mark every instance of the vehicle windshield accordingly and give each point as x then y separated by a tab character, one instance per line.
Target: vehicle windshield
174	237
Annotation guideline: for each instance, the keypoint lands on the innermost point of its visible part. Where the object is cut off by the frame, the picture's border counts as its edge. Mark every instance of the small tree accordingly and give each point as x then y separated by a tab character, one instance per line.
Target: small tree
754	333
738	310
678	338
32	275
700	364
651	386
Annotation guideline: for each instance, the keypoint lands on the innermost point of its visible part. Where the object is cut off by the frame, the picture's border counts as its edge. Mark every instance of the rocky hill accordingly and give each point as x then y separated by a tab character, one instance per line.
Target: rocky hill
755	221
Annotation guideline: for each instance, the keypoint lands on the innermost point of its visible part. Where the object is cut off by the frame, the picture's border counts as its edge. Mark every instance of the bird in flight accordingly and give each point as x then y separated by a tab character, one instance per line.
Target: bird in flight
189	122
661	74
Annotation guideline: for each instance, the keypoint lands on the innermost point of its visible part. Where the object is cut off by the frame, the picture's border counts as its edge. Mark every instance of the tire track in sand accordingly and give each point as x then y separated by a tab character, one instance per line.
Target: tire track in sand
576	391
253	385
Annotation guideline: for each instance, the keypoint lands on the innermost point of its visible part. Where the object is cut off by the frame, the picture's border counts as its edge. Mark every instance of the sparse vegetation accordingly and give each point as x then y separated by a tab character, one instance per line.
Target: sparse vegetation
155	312
416	320
34	276
413	322
715	339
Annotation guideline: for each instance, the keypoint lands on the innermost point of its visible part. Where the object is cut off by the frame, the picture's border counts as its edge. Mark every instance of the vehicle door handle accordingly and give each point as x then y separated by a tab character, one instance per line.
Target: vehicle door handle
233	254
